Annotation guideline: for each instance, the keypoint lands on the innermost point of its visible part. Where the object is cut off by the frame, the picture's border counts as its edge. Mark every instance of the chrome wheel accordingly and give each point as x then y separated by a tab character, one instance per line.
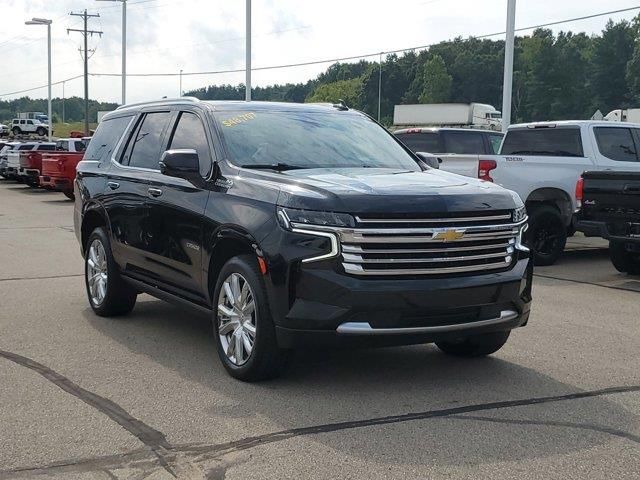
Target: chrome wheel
237	318
97	272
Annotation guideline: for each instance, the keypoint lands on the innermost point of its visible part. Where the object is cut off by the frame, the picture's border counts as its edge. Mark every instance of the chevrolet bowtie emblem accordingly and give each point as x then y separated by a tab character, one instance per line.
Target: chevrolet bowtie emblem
448	235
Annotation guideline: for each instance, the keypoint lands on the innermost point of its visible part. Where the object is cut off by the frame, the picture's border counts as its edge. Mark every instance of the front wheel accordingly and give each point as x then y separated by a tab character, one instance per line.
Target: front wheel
476	345
244	330
623	260
16	131
109	295
69	194
41	131
547	234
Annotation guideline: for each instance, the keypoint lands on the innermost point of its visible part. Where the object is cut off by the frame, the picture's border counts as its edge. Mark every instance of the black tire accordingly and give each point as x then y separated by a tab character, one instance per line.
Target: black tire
547	234
623	260
475	346
69	195
41	131
120	297
16	131
266	360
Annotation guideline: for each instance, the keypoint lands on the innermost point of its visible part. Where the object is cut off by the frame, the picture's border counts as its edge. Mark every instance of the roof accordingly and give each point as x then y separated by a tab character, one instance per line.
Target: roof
573	123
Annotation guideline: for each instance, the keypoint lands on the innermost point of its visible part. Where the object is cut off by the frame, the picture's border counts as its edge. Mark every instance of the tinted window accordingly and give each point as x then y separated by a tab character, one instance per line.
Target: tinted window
311	139
555	142
144	146
421	142
25	147
464	143
495	140
29	122
62	145
190	133
46	148
616	144
106	138
80	146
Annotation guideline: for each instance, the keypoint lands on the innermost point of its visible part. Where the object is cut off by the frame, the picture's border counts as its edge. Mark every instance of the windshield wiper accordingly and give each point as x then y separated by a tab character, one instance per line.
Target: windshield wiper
274	166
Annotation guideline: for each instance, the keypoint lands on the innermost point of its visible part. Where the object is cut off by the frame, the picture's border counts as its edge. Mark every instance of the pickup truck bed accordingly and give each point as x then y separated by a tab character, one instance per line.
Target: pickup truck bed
59	171
611	209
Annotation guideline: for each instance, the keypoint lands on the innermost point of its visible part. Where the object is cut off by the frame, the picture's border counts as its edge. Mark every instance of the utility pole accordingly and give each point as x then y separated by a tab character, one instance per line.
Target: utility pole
63	83
247	87
379	86
47	22
507	85
85	32
180	83
124	47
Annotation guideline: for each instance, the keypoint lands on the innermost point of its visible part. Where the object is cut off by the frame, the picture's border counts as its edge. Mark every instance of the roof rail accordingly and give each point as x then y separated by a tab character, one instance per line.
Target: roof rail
162	101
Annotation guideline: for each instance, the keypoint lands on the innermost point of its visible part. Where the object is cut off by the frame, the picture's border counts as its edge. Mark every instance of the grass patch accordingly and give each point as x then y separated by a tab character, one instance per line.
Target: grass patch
63	130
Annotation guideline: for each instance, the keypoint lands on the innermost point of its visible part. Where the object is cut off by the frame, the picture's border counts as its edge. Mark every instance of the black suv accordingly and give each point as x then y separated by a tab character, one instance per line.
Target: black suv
296	225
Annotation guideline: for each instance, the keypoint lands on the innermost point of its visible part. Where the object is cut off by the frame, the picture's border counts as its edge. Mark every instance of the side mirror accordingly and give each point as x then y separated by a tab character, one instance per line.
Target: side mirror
429	159
183	163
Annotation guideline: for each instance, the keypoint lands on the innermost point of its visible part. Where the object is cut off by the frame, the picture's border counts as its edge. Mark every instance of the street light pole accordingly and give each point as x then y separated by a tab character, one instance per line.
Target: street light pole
248	53
124	47
507	85
44	21
180	83
379	87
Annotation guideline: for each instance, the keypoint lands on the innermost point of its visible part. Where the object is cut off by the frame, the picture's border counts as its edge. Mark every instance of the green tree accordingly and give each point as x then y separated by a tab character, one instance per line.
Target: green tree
434	82
347	90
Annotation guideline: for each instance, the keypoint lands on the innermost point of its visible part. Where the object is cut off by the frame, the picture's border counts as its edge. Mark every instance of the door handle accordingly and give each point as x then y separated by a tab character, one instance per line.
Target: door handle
113	185
154	192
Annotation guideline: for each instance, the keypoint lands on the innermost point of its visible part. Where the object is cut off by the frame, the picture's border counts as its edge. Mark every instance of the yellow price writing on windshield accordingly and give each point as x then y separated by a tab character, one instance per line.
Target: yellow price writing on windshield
238	119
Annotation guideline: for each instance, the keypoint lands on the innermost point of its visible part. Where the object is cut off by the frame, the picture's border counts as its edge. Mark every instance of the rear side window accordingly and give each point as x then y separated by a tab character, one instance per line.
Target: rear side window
143	150
495	140
190	133
616	144
428	142
464	143
106	138
46	148
62	145
550	142
24	147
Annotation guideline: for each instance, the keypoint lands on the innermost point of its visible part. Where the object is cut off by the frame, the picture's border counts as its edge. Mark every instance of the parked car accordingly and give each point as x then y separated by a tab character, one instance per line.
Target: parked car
459	149
296	225
15	160
4	152
31	164
610	208
59	168
21	126
4	130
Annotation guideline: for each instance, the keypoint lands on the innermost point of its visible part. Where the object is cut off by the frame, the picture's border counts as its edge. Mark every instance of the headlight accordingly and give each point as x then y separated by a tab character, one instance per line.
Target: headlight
287	216
519	214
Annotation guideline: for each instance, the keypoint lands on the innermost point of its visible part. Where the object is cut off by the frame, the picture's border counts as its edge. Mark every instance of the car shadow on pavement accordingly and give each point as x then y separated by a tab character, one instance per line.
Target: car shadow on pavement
325	387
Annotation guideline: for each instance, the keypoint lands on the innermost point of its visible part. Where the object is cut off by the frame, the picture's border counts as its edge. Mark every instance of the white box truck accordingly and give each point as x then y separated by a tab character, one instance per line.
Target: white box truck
473	115
631	115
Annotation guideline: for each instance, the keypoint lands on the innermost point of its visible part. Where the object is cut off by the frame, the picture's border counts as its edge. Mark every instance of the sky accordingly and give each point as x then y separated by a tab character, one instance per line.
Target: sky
166	36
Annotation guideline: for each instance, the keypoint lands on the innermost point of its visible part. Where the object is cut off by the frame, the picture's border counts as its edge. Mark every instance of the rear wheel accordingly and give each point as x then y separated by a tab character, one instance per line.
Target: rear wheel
244	330
41	131
547	234
623	260
16	131
109	295
476	345
69	194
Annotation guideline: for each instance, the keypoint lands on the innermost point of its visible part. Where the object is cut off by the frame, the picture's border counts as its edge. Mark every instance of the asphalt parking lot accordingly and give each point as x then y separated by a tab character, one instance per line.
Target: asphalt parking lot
144	396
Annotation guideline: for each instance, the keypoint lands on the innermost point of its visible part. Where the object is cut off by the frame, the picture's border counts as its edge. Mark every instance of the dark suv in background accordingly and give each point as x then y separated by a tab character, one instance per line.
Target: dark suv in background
296	225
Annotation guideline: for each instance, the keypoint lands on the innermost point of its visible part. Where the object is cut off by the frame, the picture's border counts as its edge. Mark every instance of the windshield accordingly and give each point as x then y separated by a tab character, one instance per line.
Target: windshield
310	140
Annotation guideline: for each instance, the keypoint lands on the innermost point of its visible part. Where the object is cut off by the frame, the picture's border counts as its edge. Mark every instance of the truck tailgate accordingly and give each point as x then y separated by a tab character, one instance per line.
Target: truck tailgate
611	196
466	165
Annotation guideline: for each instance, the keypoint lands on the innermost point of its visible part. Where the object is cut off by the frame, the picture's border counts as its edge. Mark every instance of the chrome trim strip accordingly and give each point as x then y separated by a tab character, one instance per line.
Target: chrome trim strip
358	249
364	328
348	238
335	250
358	270
349	258
433	220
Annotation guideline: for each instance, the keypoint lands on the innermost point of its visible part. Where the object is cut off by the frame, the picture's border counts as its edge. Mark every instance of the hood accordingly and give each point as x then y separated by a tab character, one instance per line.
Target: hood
384	190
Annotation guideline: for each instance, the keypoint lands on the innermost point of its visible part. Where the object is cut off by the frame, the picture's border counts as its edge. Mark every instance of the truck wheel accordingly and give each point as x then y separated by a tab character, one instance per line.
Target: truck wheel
41	131
547	234
16	131
476	345
244	330
623	260
69	195
109	295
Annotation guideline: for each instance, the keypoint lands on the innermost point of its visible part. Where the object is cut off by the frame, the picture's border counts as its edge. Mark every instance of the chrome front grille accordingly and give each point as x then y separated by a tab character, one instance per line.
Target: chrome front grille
430	246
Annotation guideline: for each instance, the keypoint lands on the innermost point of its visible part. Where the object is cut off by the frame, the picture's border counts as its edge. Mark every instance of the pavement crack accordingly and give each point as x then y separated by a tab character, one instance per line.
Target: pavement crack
149	436
49	277
582	426
581	282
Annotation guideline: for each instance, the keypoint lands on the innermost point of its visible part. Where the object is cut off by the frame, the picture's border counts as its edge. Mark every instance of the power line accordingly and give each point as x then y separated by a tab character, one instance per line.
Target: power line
40	87
332	60
367	55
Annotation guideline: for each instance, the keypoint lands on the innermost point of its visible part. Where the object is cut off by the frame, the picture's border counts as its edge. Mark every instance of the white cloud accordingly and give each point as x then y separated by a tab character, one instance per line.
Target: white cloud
208	35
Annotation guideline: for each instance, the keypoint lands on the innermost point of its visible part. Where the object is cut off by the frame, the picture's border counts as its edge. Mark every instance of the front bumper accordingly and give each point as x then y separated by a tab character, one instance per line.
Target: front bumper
331	308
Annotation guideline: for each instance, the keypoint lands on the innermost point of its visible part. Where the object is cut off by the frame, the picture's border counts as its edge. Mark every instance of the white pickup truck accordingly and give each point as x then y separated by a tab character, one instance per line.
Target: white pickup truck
543	162
13	156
